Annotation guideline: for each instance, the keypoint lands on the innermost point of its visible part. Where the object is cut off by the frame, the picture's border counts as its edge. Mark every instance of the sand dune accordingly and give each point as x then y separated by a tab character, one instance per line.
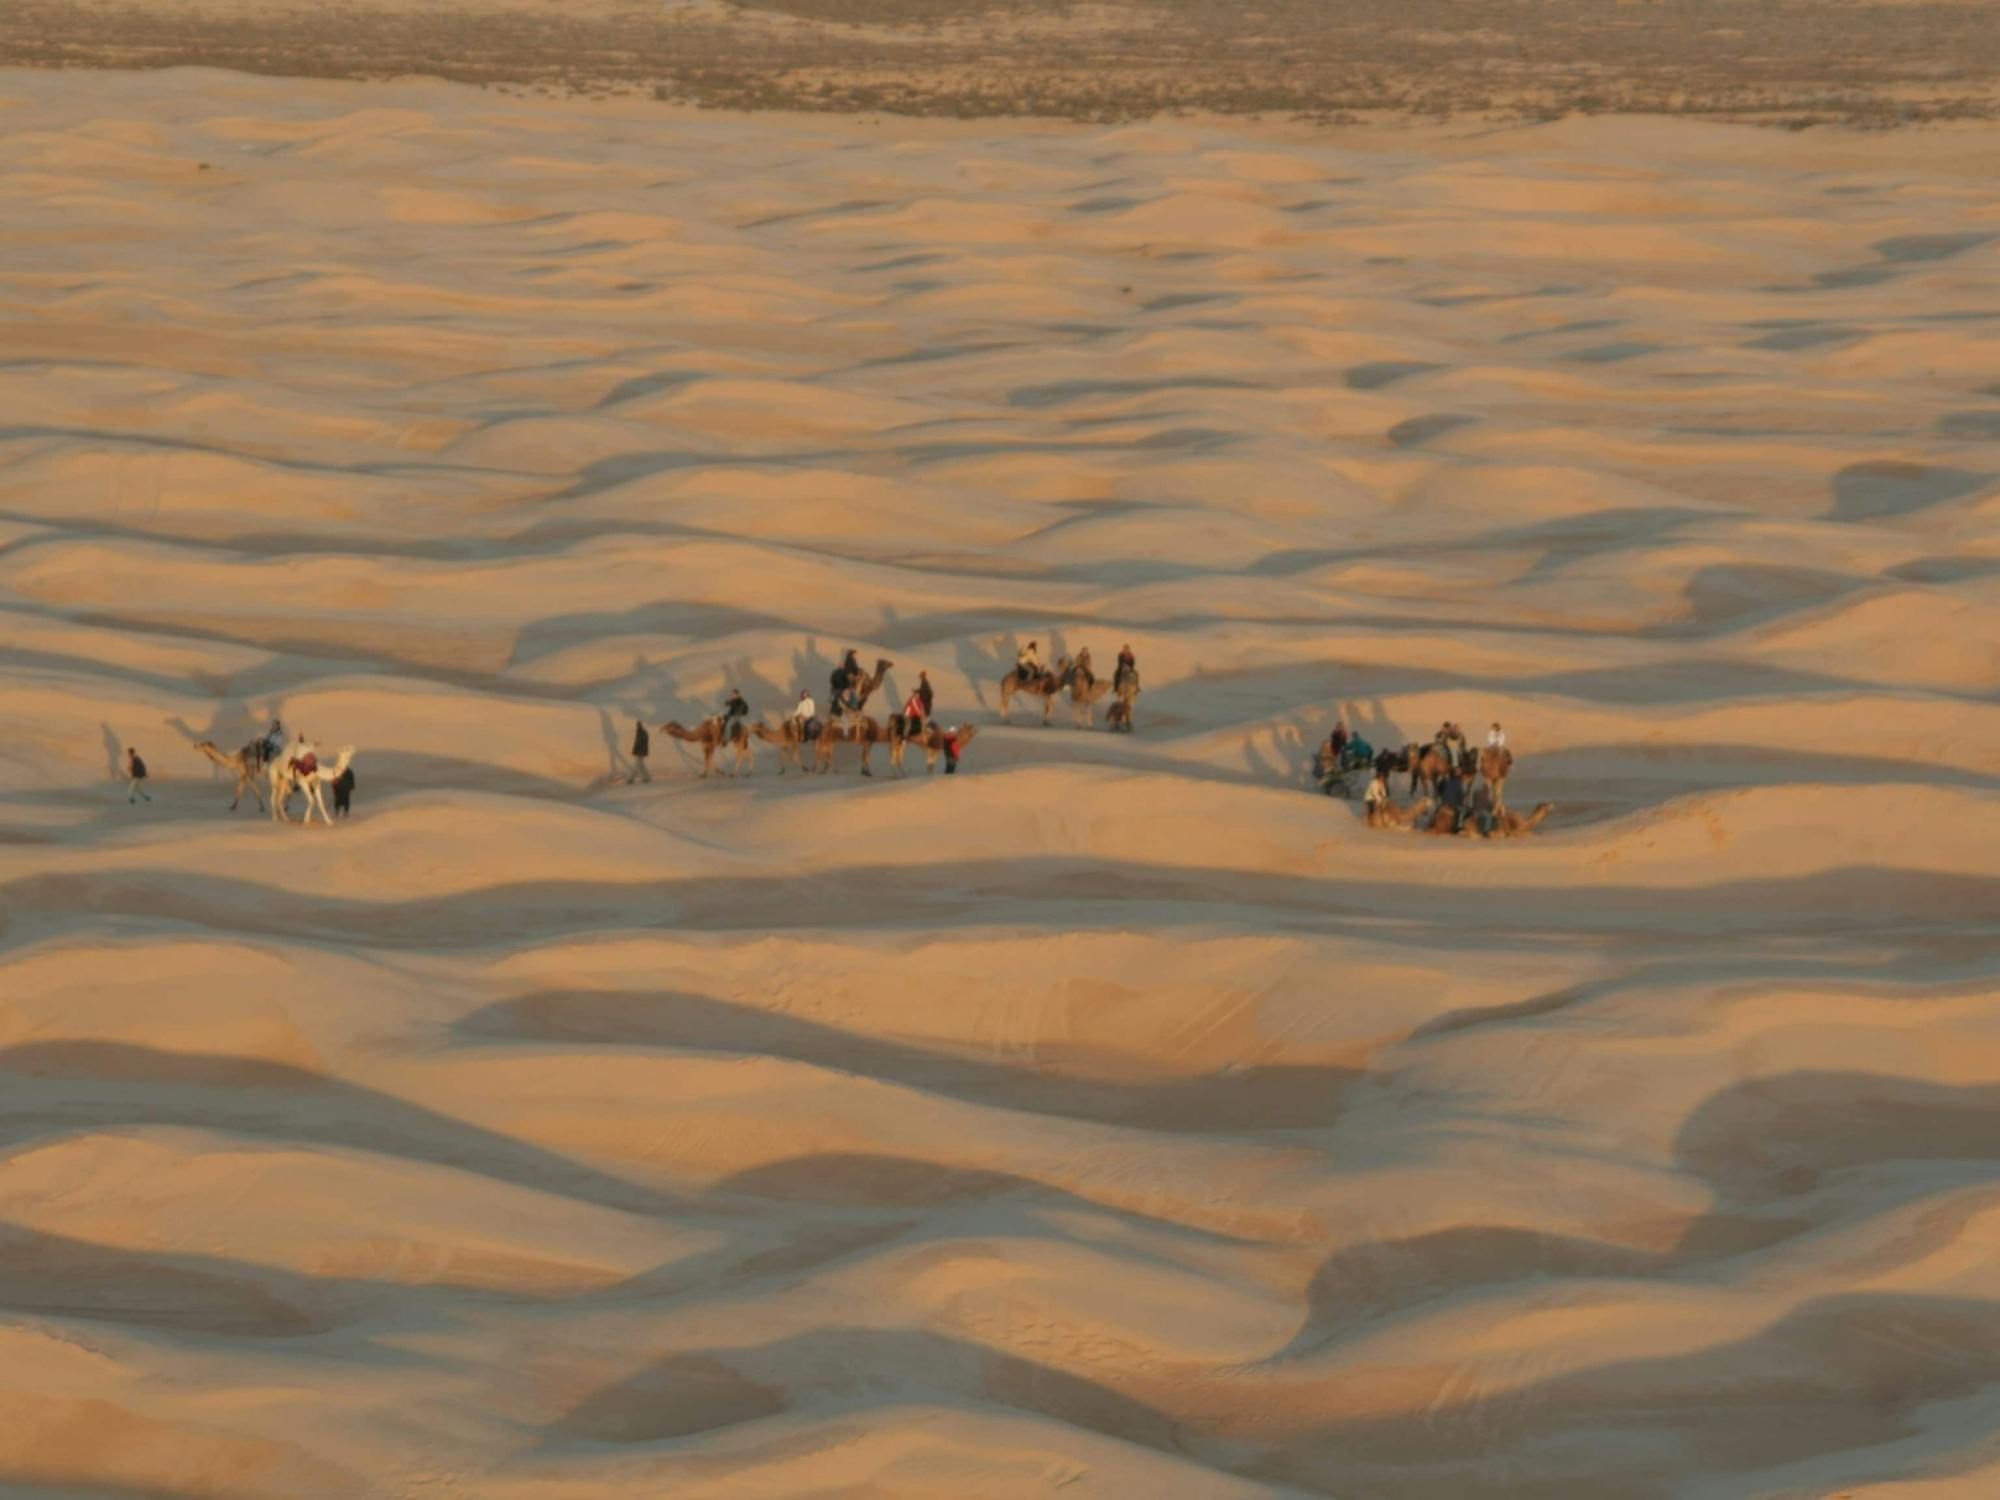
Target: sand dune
1119	1117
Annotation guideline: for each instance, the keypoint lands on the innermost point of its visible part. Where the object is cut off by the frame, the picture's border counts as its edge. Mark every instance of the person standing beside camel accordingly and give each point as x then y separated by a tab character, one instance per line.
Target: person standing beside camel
135	771
642	746
1377	796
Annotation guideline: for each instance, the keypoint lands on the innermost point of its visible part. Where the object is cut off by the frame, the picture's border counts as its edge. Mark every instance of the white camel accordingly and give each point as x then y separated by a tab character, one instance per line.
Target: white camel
285	781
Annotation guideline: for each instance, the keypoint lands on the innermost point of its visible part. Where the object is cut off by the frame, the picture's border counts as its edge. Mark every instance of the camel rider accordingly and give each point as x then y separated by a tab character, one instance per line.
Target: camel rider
733	708
845	677
1496	738
1128	669
274	741
913	713
1337	741
804	711
1027	665
1082	669
924	693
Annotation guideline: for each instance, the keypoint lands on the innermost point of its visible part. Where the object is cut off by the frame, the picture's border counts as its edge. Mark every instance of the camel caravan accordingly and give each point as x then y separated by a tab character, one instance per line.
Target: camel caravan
1030	679
806	742
293	769
1463	790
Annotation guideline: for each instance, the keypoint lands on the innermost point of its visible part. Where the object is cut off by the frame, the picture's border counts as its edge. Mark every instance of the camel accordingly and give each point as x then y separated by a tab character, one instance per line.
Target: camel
1507	825
243	765
1494	764
865	688
1118	717
1045	687
931	737
285	781
709	735
1427	765
788	737
1388	815
851	729
1085	690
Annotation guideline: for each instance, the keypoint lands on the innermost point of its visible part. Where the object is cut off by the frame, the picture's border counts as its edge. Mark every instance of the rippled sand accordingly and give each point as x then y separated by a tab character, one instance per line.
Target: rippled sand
1119	1118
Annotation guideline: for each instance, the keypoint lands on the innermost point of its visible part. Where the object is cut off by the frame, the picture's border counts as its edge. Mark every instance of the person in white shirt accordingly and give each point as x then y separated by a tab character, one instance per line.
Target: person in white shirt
1496	738
1027	665
806	710
1377	797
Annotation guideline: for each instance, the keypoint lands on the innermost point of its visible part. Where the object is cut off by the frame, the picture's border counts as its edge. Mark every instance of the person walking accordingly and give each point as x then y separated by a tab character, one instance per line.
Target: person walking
642	746
135	771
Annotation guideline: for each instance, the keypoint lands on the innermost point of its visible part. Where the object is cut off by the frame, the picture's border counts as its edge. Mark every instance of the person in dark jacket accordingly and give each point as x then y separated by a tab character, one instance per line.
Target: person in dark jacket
845	678
135	769
1451	794
343	793
733	708
642	746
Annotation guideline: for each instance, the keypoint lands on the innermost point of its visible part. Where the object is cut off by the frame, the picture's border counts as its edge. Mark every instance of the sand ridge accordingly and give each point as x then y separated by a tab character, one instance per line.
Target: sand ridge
1120	1116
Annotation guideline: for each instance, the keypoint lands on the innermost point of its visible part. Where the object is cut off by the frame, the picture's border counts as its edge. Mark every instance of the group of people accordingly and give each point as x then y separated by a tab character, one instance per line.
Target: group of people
845	696
300	754
1028	666
1468	801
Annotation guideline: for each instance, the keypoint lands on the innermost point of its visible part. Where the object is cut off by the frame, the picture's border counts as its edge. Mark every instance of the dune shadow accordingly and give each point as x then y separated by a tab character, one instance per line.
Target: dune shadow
707	1389
1837	1375
1916	249
1970	426
1414	432
1243	1100
1778	1137
1883	488
675	1397
59	1087
1363	1284
1375	374
48	1275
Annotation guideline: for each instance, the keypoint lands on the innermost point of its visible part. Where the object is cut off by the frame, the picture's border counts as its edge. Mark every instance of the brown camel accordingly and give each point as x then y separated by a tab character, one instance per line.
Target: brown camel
787	737
864	688
931	737
1046	686
1508	825
1388	815
244	765
1085	690
1427	765
1447	820
1118	717
709	735
1494	764
850	729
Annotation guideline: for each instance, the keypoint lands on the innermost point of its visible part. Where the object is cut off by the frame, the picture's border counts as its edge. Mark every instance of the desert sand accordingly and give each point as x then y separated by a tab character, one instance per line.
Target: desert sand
1119	1117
